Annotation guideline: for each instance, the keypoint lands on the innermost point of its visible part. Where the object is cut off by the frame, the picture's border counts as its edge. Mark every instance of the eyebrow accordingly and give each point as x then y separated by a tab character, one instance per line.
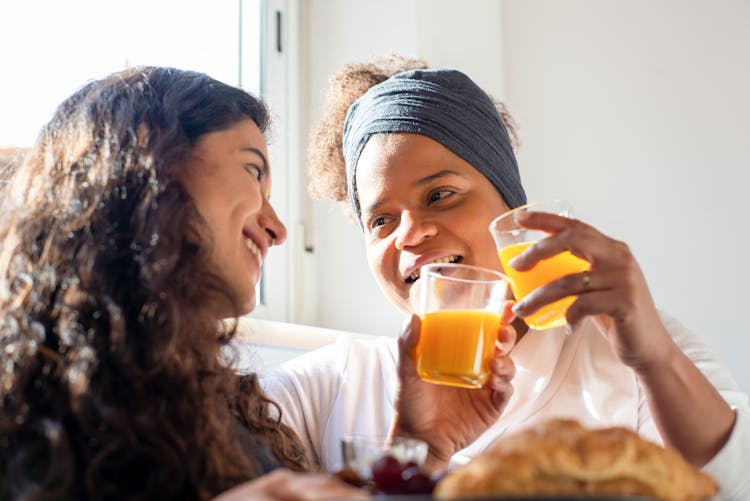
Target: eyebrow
420	182
260	154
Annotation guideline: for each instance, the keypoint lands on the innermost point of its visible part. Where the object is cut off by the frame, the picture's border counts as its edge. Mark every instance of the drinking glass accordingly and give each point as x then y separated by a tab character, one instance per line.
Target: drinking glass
460	314
359	452
512	239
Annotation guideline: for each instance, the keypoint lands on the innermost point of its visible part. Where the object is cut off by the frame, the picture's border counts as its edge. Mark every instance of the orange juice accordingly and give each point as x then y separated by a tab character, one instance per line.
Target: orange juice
545	271
456	346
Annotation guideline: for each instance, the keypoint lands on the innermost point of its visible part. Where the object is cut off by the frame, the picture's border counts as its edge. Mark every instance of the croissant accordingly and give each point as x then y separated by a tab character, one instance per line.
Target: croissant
561	457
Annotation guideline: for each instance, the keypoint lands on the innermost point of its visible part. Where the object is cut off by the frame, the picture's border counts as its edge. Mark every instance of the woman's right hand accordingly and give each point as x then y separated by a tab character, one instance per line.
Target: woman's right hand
286	485
449	418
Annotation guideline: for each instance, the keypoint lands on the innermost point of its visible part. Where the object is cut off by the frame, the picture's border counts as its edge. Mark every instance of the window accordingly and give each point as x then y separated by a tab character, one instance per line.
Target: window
50	48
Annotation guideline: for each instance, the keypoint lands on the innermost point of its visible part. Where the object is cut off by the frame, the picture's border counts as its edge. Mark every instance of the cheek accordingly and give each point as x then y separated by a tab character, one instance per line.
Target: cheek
382	264
478	239
487	251
384	268
375	260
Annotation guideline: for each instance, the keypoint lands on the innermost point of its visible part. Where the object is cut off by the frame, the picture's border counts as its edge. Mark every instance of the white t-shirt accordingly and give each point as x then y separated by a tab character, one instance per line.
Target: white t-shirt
349	388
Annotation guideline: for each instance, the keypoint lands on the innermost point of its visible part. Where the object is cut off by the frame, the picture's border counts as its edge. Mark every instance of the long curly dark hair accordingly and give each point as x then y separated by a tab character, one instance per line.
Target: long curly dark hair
325	156
114	383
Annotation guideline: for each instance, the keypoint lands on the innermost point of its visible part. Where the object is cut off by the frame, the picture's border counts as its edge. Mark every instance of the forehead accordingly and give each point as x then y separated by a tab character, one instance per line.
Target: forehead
397	159
240	135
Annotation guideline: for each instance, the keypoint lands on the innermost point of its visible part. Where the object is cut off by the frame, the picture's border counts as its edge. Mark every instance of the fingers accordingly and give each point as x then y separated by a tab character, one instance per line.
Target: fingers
407	341
503	367
613	286
501	392
315	487
612	291
567	234
502	371
543	221
574	284
407	347
507	316
284	485
605	302
506	334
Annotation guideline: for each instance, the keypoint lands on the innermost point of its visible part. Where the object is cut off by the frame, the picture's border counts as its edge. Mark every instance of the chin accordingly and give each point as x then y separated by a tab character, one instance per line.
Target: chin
410	304
248	306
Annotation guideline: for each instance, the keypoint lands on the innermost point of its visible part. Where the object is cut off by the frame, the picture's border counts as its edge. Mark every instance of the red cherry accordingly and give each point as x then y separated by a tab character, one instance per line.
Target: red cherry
386	473
415	481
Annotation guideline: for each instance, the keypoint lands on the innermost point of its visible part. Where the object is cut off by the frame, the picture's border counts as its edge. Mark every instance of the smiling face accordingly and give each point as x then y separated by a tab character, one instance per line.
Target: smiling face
229	179
422	203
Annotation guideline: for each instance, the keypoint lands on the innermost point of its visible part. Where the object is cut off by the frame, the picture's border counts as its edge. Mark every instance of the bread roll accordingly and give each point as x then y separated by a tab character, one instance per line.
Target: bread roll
560	457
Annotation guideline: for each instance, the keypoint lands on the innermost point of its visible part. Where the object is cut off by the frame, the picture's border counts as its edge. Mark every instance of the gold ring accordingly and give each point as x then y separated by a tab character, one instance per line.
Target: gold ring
586	280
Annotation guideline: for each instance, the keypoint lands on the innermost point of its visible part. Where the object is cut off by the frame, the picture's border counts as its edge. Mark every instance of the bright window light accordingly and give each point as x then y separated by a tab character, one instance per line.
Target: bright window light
52	47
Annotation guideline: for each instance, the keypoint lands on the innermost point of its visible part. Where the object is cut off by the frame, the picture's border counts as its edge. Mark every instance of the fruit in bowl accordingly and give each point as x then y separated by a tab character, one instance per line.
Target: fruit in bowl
388	466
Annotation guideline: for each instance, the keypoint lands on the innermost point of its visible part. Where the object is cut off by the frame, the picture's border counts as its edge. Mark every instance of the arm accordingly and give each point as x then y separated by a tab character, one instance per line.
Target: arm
688	411
725	466
305	389
285	485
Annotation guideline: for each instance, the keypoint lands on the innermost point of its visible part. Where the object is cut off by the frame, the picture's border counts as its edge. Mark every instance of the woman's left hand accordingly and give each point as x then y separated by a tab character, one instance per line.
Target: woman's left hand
286	485
689	412
614	290
450	418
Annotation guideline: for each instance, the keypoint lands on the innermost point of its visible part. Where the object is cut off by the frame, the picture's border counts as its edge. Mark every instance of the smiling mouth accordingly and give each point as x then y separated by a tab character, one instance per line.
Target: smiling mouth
415	276
254	249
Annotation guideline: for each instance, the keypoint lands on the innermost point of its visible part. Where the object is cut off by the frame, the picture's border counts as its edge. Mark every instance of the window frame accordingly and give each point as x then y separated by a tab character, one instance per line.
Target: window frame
277	299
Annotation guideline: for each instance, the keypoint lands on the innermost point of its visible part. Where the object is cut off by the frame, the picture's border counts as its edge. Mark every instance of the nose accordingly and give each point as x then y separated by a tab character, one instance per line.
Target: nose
413	230
271	223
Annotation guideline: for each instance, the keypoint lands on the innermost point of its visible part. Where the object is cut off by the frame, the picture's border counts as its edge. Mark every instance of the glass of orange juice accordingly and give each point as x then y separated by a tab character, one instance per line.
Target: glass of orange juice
460	310
512	239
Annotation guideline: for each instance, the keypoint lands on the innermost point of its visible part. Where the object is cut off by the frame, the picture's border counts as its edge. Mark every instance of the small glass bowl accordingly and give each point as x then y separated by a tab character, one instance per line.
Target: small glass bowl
359	452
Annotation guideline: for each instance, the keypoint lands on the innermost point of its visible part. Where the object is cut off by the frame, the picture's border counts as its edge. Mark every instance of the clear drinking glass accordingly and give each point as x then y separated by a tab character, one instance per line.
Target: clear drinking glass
512	239
359	452
460	311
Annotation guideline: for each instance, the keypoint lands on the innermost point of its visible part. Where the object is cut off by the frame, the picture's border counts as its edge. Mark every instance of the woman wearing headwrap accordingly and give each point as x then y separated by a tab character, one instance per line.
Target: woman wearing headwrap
425	161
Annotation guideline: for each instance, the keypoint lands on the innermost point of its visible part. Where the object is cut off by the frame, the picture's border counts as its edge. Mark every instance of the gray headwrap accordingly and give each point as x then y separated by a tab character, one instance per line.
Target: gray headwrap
444	105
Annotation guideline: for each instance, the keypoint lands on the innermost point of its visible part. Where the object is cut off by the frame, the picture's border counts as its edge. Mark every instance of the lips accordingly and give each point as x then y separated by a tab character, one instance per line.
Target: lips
252	247
414	275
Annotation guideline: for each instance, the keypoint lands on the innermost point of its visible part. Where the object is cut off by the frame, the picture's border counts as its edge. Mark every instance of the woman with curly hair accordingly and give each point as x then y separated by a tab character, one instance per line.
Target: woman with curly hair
140	220
424	161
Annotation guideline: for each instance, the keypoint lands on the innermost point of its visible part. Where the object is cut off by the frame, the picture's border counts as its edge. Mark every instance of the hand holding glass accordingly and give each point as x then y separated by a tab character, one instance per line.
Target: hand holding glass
460	311
512	239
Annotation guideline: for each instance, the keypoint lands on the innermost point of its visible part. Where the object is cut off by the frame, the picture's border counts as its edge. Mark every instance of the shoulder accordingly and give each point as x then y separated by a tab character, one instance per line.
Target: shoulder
689	342
343	353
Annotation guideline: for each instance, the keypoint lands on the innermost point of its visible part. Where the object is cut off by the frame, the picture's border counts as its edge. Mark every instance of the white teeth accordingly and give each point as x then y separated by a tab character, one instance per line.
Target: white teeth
449	259
254	249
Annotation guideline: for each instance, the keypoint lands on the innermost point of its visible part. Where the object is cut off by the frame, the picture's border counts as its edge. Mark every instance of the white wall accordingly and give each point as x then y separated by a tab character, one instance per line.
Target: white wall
635	110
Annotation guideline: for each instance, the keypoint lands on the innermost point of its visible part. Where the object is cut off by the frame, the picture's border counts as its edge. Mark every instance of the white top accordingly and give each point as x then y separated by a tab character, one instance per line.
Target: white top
350	386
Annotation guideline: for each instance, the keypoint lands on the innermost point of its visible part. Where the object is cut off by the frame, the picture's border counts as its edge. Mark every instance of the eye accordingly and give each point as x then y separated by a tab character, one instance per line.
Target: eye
379	224
255	171
437	195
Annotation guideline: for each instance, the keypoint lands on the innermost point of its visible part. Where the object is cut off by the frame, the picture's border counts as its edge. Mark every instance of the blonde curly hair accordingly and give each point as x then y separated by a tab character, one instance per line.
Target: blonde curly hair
325	157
